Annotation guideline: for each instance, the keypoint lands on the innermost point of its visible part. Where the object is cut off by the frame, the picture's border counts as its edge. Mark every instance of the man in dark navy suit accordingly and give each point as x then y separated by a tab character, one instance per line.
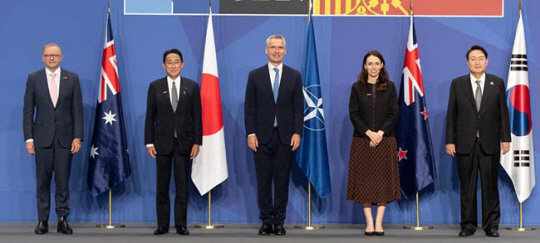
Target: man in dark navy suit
173	134
477	131
274	120
53	131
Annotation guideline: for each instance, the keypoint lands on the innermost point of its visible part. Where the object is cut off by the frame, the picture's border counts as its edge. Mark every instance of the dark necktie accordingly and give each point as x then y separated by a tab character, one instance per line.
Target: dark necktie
478	95
174	95
478	101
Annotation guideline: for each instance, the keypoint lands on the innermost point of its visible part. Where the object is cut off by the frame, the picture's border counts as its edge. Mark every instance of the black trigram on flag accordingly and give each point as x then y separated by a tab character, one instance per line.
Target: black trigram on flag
518	62
522	158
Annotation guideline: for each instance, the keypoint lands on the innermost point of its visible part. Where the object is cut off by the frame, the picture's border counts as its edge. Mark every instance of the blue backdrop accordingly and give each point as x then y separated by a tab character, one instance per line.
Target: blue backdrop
78	26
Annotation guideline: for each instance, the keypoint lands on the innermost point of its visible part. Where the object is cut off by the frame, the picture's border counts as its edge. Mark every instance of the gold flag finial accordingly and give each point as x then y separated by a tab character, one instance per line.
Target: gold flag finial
411	7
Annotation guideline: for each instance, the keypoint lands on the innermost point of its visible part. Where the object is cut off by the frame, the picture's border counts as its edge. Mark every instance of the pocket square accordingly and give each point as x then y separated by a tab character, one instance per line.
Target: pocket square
491	83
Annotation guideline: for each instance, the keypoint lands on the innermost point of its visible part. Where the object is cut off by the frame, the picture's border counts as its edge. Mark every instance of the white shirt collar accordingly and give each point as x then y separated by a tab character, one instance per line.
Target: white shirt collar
48	72
271	67
482	78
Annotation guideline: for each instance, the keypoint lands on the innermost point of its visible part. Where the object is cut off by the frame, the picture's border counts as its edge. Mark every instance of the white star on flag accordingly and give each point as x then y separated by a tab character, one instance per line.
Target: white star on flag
93	152
317	108
109	117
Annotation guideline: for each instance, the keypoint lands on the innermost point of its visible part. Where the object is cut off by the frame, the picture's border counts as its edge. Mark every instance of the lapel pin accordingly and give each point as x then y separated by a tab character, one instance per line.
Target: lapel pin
65	77
491	83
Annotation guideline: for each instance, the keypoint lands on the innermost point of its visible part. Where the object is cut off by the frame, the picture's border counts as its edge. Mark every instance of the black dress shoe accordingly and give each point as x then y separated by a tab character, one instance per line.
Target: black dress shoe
161	231
42	228
279	230
465	233
369	233
492	233
379	233
182	230
266	229
63	226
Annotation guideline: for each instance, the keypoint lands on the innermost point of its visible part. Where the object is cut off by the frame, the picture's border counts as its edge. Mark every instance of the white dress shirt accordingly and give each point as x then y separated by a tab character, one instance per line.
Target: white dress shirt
474	86
273	73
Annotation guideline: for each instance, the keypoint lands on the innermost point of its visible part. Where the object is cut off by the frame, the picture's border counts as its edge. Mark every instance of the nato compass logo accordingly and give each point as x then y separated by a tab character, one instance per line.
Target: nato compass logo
313	114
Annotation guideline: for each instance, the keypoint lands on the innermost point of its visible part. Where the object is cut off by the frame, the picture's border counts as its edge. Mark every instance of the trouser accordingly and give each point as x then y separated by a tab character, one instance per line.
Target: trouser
273	163
180	164
468	167
55	159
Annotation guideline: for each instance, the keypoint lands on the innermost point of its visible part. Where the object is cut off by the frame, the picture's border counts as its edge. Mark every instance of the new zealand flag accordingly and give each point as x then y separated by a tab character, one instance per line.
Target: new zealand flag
416	163
109	161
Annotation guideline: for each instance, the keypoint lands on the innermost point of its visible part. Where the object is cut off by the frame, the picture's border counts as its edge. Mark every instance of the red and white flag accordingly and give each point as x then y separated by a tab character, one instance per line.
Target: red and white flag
210	166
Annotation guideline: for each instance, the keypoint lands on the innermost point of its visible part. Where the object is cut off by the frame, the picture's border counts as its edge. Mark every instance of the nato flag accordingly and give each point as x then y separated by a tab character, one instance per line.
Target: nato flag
312	155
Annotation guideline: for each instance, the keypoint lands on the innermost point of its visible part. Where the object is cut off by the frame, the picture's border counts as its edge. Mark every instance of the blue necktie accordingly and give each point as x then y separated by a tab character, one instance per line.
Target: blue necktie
276	88
276	84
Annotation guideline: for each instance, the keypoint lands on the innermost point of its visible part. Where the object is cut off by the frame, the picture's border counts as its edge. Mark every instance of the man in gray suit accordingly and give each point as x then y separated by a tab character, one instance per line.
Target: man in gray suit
53	131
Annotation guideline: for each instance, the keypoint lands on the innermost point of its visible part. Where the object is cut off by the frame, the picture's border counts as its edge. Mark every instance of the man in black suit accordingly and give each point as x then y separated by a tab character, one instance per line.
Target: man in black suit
53	131
477	130
274	120
173	134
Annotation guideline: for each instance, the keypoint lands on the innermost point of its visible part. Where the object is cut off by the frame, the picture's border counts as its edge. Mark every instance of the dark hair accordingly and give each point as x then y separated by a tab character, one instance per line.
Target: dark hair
172	51
382	82
474	48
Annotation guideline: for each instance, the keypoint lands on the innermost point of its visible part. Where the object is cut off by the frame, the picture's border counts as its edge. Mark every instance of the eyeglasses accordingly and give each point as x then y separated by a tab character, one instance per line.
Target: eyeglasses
173	63
52	56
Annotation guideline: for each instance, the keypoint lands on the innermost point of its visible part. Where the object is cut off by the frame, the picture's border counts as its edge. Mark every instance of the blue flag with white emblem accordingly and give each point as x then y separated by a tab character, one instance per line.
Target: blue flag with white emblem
109	161
415	153
312	155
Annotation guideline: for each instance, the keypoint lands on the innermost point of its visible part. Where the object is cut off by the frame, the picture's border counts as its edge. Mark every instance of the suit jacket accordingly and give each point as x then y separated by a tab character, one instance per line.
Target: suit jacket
161	120
41	120
361	111
463	119
260	109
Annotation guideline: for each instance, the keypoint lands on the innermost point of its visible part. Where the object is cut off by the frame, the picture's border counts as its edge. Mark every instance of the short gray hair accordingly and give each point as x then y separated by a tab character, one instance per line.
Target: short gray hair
51	44
276	37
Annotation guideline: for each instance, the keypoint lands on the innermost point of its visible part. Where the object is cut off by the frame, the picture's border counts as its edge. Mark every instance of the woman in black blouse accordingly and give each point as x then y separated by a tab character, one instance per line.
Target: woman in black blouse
373	163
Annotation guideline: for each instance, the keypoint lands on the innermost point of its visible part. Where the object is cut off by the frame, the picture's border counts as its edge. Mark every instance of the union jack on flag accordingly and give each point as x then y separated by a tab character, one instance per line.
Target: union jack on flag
109	161
415	152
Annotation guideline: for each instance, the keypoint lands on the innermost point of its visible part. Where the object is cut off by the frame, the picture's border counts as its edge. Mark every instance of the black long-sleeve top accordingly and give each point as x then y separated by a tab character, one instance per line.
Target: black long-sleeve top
381	115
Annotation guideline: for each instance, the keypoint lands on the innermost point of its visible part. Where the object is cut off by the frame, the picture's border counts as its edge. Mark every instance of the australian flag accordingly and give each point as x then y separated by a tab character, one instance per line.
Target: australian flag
312	155
416	163
109	161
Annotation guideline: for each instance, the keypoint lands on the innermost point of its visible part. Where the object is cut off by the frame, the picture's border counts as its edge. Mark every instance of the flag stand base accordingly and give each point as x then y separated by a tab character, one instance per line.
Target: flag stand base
214	226
309	227
520	229
110	226
418	227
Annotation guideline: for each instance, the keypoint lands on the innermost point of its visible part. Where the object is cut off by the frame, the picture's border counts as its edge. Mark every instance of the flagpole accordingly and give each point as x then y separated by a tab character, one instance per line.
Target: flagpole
520	228
209	224
110	225
418	227
309	226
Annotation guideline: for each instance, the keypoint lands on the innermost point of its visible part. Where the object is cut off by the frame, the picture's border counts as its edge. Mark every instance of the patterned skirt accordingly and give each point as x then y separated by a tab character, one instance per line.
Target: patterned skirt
373	172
